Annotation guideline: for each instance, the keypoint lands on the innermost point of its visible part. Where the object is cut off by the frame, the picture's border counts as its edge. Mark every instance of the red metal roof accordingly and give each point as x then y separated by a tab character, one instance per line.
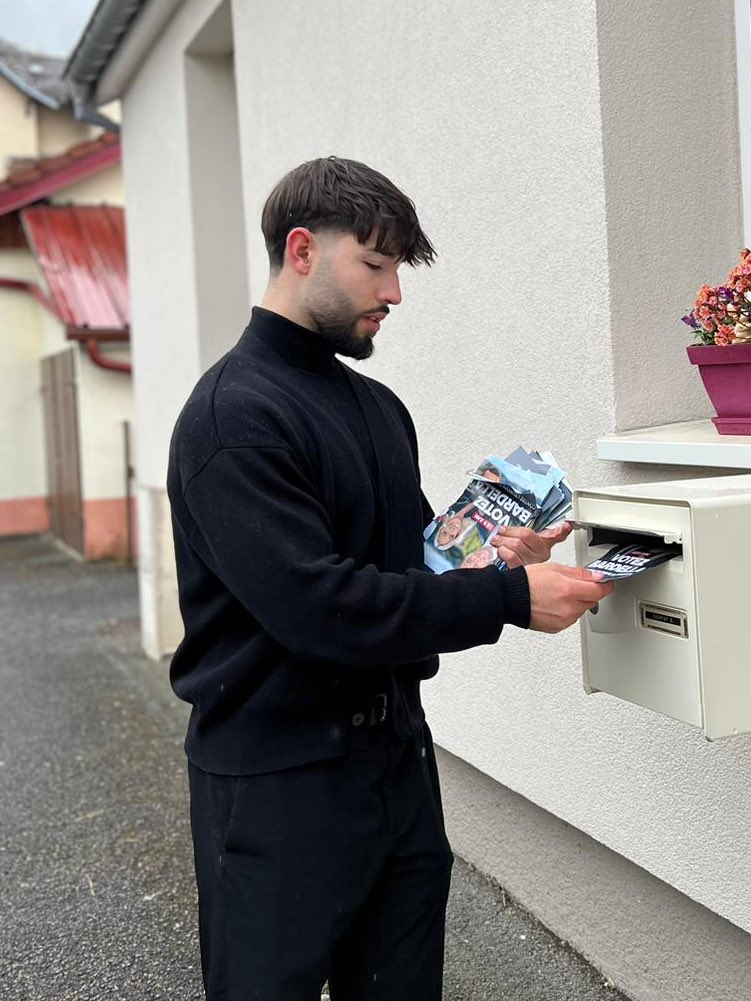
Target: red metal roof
30	180
81	250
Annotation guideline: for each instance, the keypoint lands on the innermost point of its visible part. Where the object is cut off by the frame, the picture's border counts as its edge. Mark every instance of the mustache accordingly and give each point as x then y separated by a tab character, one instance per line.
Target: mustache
379	309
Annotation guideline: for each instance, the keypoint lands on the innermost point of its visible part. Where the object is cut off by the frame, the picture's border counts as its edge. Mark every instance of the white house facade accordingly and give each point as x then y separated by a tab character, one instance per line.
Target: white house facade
577	166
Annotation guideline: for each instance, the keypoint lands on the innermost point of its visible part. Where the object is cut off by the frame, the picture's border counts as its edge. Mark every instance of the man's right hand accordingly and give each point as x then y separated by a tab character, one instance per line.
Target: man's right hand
560	595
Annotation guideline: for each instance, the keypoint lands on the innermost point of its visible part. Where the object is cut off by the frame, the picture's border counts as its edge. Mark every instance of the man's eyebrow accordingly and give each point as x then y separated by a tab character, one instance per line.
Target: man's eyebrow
381	253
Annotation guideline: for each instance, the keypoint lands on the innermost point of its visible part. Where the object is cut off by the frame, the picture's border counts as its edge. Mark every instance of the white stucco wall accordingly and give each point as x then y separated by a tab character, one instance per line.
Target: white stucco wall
104	188
53	338
673	207
517	129
165	332
105	400
59	130
160	254
22	462
490	117
18	125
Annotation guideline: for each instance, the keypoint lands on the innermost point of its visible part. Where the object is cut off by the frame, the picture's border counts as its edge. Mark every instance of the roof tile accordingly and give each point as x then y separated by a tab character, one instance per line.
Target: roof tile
81	250
79	161
38	72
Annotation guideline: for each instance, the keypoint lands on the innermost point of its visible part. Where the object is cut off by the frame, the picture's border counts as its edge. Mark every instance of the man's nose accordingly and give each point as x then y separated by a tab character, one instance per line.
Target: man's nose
392	292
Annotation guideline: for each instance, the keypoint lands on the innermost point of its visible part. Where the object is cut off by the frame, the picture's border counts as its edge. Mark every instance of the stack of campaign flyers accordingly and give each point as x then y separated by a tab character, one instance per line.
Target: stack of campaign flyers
524	489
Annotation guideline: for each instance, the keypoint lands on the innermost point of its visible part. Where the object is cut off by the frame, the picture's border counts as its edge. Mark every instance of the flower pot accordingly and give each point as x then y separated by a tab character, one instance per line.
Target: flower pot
726	374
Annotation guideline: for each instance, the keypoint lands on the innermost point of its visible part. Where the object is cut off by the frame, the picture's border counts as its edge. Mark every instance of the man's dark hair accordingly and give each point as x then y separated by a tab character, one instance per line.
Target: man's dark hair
333	193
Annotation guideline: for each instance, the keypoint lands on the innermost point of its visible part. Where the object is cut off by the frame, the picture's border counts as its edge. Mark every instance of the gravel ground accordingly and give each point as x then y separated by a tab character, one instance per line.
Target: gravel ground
95	860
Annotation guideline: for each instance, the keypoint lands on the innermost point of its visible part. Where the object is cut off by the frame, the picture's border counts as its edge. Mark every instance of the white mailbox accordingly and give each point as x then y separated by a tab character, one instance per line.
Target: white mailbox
677	638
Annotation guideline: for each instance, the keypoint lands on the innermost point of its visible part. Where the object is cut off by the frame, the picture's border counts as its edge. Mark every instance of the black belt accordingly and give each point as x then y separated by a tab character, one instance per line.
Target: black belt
373	714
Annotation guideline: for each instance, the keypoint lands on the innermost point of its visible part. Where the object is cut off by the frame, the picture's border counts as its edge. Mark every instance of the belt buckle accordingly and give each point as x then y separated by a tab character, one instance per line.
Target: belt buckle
378	709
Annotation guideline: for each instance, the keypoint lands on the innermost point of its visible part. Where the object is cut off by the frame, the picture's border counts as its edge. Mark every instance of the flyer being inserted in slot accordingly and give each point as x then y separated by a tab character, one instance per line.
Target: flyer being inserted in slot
627	559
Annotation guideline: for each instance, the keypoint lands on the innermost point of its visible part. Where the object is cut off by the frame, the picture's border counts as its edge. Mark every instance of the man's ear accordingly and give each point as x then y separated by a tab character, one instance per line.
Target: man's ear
299	250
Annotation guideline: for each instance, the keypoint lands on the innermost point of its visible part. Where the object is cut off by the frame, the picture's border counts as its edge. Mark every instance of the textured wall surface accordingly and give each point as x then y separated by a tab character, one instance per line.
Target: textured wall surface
18	125
105	400
650	940
670	126
165	334
505	128
160	241
513	128
107	187
22	463
58	130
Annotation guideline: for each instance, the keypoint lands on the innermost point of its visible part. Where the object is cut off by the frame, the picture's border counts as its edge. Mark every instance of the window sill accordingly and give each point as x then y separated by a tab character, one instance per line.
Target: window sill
693	443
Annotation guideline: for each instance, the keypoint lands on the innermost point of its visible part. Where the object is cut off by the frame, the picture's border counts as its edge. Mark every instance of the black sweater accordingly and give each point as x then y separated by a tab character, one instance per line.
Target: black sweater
298	519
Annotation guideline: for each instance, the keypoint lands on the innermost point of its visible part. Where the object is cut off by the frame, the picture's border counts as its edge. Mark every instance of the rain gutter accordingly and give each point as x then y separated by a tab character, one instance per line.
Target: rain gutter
107	26
93	337
94	352
112	47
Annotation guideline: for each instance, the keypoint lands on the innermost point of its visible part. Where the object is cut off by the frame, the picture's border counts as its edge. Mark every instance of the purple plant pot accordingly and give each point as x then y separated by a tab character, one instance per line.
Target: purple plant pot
726	374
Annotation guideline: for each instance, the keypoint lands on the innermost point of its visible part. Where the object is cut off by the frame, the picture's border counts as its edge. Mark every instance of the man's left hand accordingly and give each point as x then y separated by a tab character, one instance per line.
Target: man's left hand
518	546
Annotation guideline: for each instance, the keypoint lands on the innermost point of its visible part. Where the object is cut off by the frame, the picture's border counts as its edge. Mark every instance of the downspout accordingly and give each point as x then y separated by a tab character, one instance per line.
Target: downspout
33	289
84	112
94	352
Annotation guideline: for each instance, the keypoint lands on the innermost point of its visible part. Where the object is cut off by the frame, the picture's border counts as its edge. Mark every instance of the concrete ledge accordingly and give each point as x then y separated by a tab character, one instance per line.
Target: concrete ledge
692	443
652	942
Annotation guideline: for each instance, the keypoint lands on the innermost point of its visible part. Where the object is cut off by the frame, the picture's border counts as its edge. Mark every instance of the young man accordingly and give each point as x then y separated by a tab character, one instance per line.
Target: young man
310	621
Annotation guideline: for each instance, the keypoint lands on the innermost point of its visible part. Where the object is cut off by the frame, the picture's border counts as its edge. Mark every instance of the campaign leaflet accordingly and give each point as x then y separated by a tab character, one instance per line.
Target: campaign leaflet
558	502
521	490
625	560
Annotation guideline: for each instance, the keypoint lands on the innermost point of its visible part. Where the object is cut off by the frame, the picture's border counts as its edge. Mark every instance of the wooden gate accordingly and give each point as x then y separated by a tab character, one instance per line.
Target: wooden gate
63	461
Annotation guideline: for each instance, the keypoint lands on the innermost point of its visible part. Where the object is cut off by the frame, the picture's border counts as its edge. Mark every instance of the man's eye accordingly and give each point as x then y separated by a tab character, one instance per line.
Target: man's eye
373	267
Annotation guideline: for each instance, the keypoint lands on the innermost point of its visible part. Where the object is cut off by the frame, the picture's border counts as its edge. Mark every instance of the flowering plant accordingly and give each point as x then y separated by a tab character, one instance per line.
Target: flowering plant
722	313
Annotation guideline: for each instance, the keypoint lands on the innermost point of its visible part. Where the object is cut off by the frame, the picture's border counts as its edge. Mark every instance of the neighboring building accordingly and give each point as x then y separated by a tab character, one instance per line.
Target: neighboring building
65	397
577	166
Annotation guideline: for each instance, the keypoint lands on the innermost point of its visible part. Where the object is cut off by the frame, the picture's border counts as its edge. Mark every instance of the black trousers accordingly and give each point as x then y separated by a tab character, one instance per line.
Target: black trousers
335	870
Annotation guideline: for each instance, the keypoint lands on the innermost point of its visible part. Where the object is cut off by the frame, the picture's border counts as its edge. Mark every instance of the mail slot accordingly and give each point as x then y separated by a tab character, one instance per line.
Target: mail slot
676	638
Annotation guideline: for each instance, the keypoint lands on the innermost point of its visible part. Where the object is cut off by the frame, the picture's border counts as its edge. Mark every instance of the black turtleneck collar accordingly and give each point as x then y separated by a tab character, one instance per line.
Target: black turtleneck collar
296	345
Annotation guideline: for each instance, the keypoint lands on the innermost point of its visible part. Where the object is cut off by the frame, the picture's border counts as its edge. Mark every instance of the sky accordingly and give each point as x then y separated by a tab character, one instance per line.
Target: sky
49	27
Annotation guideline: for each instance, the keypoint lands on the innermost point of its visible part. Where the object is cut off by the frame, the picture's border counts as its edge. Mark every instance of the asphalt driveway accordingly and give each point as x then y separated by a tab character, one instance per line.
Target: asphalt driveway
96	884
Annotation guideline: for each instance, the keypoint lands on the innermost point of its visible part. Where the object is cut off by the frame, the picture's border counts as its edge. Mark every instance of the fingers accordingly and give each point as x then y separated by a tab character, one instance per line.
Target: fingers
580	573
518	546
594	593
517	554
560	595
557	533
514	532
590	589
586	587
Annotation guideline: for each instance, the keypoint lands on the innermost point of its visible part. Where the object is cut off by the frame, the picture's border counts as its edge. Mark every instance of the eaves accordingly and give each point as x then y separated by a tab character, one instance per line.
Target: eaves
114	43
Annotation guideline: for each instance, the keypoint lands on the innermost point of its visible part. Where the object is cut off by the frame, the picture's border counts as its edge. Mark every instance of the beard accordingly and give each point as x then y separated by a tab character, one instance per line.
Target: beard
345	341
336	321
